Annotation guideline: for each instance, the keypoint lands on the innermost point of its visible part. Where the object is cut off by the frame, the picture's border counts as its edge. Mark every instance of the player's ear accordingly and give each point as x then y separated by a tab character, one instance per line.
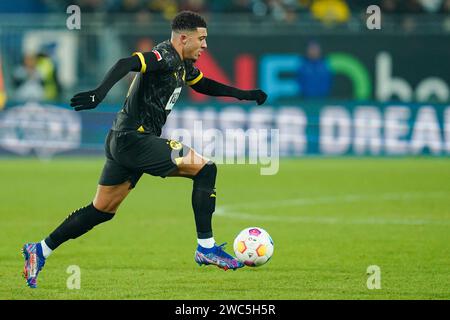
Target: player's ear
184	38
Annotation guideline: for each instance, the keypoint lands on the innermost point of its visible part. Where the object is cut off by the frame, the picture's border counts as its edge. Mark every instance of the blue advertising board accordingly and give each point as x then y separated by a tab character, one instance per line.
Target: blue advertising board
240	130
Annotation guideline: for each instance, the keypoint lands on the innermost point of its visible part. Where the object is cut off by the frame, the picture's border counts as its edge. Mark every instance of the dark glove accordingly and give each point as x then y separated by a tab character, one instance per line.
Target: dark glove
86	100
257	95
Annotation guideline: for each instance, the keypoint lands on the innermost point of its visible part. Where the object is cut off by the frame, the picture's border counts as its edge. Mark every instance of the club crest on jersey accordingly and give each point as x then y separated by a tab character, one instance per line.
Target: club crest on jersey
157	54
175	145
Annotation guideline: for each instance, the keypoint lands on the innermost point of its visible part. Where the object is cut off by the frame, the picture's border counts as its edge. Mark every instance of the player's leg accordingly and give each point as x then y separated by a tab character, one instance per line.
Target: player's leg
169	158
108	198
80	221
115	184
189	165
203	172
162	157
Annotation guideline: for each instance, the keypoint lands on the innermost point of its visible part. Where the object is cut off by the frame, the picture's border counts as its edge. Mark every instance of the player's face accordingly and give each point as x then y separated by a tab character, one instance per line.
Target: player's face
195	44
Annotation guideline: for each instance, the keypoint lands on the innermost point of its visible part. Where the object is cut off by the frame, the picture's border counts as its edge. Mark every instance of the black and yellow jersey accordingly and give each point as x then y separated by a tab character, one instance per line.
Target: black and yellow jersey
155	89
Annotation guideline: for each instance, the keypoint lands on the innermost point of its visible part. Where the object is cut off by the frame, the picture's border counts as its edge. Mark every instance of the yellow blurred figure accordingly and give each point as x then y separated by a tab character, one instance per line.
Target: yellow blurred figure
168	8
46	68
2	89
330	11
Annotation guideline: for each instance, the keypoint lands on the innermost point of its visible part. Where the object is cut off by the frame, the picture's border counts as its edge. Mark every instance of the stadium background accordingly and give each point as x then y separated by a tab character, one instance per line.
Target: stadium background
379	98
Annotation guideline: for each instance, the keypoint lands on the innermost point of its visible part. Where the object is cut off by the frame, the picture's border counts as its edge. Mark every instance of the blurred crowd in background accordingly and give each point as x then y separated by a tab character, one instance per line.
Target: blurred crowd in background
34	75
285	10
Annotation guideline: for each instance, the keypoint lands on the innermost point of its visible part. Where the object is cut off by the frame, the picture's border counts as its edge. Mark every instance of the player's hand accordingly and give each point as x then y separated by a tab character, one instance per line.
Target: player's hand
86	100
258	95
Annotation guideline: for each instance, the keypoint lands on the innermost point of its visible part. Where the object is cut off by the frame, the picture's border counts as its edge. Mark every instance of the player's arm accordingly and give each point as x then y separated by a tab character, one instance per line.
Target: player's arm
138	62
213	88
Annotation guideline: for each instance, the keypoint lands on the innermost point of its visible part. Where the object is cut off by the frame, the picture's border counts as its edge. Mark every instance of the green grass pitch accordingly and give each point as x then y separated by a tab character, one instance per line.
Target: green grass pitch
330	220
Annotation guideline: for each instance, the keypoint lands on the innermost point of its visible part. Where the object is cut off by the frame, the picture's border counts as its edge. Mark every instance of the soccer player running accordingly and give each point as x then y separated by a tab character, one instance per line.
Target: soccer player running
133	146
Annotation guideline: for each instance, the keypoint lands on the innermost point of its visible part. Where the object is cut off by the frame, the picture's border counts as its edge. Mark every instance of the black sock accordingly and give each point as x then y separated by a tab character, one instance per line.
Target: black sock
204	200
76	224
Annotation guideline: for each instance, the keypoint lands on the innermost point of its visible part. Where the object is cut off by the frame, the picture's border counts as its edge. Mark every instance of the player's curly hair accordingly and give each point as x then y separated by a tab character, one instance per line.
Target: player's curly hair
188	20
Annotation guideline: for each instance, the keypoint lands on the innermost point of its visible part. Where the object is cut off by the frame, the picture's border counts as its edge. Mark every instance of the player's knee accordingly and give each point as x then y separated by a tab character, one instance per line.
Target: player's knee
106	205
206	177
109	198
208	171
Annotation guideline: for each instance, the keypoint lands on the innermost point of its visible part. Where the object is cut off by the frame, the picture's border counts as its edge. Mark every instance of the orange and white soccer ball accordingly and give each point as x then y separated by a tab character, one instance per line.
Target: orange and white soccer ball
253	246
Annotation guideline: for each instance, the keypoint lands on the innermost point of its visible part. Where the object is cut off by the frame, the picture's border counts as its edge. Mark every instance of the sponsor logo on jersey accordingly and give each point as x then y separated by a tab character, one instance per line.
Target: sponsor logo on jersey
157	54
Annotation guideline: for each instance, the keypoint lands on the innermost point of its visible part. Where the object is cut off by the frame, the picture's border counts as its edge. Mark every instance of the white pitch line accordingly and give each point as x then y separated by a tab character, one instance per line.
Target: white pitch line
338	199
230	212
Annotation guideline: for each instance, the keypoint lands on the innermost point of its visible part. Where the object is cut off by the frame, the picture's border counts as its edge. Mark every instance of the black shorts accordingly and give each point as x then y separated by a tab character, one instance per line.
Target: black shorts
130	154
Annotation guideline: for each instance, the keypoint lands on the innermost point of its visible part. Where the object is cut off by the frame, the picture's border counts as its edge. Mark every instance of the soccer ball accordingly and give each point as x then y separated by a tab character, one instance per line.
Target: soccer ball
253	246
